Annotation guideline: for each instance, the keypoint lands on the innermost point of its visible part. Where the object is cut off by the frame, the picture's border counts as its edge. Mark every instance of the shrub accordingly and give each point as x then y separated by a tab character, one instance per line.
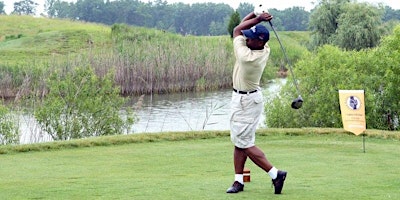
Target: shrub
80	104
331	69
9	132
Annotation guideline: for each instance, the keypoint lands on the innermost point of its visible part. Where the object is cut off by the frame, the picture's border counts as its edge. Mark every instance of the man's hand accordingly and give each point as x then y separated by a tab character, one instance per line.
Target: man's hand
265	17
250	20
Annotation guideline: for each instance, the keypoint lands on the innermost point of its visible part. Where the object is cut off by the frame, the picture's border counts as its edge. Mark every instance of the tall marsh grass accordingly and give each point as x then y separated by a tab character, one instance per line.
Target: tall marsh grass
161	62
144	60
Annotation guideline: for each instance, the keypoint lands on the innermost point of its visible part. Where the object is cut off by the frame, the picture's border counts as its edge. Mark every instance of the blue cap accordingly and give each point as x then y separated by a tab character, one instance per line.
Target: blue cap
257	32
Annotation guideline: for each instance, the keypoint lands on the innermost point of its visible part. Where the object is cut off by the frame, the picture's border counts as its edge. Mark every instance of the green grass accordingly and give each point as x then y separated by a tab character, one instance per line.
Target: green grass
321	164
25	38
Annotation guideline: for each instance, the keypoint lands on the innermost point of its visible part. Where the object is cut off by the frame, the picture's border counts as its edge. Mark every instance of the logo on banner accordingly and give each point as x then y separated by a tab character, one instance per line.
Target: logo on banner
353	103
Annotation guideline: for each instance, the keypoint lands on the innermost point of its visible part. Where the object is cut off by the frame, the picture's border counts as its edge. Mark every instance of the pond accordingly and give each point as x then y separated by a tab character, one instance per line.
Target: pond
170	112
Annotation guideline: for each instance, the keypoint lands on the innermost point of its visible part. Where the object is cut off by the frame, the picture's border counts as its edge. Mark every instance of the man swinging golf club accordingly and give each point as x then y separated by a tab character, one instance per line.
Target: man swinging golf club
251	52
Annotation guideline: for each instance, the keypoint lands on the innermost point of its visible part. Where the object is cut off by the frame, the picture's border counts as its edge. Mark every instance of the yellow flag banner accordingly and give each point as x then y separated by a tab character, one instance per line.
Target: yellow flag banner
353	110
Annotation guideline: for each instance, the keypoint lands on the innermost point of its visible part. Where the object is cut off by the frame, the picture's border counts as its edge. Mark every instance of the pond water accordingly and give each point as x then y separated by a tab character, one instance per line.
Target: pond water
170	112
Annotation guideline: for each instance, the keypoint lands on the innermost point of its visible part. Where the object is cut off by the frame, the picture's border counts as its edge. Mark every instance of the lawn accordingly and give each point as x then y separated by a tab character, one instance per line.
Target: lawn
320	166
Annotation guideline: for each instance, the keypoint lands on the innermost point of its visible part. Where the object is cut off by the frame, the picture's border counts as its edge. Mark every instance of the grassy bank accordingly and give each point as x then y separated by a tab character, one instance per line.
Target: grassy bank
322	164
179	136
144	60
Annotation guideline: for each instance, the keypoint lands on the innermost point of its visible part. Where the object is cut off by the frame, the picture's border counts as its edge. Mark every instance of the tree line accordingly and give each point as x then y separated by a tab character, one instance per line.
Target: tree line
194	19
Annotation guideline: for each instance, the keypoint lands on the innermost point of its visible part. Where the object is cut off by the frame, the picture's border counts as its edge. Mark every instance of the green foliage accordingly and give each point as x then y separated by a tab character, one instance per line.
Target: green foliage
9	132
391	14
323	21
294	43
2	8
13	37
291	19
350	25
80	104
358	27
386	61
25	7
244	9
329	70
233	22
218	28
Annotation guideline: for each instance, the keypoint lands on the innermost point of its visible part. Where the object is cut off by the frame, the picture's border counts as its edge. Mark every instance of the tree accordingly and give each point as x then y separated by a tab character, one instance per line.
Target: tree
81	104
347	24
9	131
391	14
60	9
180	18
2	8
323	21
233	22
49	7
90	10
25	7
359	27
295	18
244	9
387	64
202	14
196	19
218	28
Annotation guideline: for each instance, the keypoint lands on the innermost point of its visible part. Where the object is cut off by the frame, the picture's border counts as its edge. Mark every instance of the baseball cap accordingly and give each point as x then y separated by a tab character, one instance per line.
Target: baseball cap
257	32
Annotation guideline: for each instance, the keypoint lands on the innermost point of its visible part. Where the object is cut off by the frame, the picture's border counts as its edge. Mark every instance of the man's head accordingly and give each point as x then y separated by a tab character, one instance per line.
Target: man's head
256	36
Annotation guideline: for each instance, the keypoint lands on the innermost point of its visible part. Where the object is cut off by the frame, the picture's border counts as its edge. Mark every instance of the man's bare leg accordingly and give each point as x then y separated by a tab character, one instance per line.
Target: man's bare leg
239	160
259	158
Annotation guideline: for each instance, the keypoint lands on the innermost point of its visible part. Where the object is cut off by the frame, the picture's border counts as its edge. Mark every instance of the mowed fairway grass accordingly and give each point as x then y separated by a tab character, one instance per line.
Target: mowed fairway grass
320	166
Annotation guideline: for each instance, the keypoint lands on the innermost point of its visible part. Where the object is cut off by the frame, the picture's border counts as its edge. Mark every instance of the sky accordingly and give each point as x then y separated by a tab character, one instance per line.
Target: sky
278	4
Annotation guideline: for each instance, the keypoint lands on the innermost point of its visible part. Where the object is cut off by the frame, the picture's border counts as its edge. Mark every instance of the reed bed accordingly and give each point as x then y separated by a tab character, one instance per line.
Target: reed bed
160	62
143	60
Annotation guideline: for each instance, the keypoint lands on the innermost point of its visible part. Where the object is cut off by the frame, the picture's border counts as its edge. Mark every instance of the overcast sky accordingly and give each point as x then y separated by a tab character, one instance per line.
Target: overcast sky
278	4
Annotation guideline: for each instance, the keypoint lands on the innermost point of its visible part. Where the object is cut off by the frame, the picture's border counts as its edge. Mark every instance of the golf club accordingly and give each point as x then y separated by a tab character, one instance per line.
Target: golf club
298	102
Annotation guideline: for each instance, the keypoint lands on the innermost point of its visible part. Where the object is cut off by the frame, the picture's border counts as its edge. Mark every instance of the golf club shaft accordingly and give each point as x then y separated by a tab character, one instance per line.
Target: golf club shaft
286	57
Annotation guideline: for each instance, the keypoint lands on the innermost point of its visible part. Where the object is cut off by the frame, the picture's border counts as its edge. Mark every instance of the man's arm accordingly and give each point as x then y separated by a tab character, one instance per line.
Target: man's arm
249	21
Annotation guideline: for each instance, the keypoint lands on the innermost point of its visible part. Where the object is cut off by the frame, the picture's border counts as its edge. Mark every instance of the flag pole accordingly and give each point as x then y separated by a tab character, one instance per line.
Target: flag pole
363	142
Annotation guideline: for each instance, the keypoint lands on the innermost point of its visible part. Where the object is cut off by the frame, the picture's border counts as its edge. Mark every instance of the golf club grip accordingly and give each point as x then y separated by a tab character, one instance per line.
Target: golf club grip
286	57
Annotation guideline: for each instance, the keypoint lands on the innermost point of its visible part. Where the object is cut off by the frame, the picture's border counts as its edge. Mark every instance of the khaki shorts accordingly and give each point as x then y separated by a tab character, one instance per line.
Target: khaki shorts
246	112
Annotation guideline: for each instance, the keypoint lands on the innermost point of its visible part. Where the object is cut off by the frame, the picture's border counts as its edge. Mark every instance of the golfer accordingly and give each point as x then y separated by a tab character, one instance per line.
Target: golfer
251	52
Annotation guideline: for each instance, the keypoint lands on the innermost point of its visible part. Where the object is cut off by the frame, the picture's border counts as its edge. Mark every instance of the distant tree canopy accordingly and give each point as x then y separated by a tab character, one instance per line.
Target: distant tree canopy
290	19
391	14
25	7
2	8
347	24
197	18
359	27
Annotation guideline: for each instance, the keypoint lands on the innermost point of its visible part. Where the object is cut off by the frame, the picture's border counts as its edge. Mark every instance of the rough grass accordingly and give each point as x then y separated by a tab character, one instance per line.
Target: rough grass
322	164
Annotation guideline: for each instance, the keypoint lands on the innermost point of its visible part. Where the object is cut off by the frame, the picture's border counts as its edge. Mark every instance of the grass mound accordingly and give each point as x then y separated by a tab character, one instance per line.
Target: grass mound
26	38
